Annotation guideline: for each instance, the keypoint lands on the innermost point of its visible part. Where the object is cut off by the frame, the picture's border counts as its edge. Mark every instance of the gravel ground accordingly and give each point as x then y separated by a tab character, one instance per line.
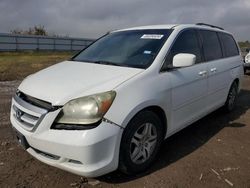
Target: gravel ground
214	152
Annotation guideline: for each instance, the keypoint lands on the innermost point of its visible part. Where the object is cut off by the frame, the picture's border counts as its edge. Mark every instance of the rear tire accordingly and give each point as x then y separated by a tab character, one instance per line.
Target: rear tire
140	142
232	97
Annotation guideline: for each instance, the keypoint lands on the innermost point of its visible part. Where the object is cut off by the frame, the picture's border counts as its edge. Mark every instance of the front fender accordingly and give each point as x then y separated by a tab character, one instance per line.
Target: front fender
136	109
141	92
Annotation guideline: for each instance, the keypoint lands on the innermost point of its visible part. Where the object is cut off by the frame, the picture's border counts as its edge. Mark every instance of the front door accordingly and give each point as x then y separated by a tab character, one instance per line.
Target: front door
189	84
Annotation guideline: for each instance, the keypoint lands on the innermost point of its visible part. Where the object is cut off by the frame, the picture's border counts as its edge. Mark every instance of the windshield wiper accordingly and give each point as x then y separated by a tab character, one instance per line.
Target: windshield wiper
102	62
108	63
83	60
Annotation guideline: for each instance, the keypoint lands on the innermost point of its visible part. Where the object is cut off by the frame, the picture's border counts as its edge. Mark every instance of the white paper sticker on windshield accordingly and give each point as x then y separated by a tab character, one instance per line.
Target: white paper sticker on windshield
151	36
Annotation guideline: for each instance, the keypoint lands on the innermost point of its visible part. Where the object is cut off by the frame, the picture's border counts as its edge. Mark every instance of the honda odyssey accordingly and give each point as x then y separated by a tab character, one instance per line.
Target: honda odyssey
110	106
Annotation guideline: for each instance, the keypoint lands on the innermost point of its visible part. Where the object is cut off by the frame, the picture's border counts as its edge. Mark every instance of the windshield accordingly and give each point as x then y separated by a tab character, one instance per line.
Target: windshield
136	48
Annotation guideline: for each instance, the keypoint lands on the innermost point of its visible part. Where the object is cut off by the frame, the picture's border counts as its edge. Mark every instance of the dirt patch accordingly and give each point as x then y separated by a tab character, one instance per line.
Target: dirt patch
214	152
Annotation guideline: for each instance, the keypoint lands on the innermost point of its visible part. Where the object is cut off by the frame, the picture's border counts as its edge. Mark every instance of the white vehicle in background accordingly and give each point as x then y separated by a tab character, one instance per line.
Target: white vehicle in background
111	106
247	61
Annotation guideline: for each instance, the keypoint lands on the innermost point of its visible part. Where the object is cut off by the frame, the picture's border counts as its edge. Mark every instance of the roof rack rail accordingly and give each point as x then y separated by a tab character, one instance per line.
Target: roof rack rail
209	25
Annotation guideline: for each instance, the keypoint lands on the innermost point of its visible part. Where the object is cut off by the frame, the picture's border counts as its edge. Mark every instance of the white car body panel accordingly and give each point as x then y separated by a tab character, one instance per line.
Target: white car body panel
69	80
184	95
221	73
189	93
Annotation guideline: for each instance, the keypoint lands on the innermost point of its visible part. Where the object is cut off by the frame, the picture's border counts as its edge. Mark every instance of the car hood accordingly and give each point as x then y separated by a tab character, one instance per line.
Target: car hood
70	79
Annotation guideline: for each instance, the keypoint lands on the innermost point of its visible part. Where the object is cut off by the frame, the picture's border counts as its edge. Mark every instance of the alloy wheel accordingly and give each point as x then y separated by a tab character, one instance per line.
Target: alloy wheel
143	143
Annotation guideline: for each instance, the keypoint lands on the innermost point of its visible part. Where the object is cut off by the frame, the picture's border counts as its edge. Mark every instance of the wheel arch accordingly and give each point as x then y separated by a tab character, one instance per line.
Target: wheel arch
161	114
158	111
237	81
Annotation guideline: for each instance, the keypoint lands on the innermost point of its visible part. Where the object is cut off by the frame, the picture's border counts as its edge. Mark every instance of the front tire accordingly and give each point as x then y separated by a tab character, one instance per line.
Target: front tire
140	142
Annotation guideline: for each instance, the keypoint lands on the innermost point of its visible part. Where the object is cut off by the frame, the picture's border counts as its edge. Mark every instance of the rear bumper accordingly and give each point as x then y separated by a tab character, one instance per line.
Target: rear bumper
89	153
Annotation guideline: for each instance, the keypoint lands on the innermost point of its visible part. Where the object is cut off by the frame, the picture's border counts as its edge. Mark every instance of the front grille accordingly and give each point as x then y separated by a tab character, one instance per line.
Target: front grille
25	118
34	101
27	113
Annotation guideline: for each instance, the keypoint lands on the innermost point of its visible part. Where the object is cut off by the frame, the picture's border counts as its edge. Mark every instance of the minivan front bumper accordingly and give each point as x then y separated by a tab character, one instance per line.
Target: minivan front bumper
89	153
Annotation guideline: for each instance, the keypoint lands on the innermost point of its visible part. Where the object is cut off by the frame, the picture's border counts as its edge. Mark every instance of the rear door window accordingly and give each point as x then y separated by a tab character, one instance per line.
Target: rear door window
229	46
211	45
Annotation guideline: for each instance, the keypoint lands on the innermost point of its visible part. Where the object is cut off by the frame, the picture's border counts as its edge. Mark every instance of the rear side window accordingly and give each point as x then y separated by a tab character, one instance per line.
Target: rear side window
211	45
229	46
187	42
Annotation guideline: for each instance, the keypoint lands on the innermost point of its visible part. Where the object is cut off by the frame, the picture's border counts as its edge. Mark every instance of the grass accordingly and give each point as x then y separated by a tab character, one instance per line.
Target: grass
18	65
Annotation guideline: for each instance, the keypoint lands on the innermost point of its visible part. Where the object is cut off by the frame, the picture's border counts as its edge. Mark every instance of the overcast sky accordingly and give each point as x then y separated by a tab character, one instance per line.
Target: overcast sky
92	18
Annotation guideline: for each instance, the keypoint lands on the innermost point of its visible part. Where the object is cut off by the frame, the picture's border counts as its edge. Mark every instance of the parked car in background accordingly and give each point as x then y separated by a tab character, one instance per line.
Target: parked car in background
247	61
111	106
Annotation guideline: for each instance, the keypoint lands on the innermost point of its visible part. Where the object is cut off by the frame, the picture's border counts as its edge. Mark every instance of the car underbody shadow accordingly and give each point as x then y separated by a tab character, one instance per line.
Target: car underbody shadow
189	139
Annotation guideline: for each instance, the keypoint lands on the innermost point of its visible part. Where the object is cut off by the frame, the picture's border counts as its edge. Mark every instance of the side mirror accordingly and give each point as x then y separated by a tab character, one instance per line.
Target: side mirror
184	60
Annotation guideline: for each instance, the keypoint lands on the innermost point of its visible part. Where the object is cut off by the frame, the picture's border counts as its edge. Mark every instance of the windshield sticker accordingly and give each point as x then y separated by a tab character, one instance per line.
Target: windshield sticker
147	52
152	36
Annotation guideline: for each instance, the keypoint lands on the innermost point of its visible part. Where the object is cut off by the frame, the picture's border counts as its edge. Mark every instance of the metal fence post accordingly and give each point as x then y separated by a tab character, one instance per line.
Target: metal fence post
54	40
16	43
37	44
71	43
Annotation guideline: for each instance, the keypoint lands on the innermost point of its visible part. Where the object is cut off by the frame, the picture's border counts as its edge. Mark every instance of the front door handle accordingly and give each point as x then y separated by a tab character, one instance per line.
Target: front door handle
202	73
213	69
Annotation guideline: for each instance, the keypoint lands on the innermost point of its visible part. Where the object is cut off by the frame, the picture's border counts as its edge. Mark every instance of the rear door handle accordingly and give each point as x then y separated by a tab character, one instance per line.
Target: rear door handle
213	69
202	73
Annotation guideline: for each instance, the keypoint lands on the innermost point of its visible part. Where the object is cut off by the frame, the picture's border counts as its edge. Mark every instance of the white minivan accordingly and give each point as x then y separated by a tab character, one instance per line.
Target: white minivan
110	106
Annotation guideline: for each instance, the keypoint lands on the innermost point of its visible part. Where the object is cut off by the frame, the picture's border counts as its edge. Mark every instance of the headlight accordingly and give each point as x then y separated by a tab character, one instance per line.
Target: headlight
86	110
